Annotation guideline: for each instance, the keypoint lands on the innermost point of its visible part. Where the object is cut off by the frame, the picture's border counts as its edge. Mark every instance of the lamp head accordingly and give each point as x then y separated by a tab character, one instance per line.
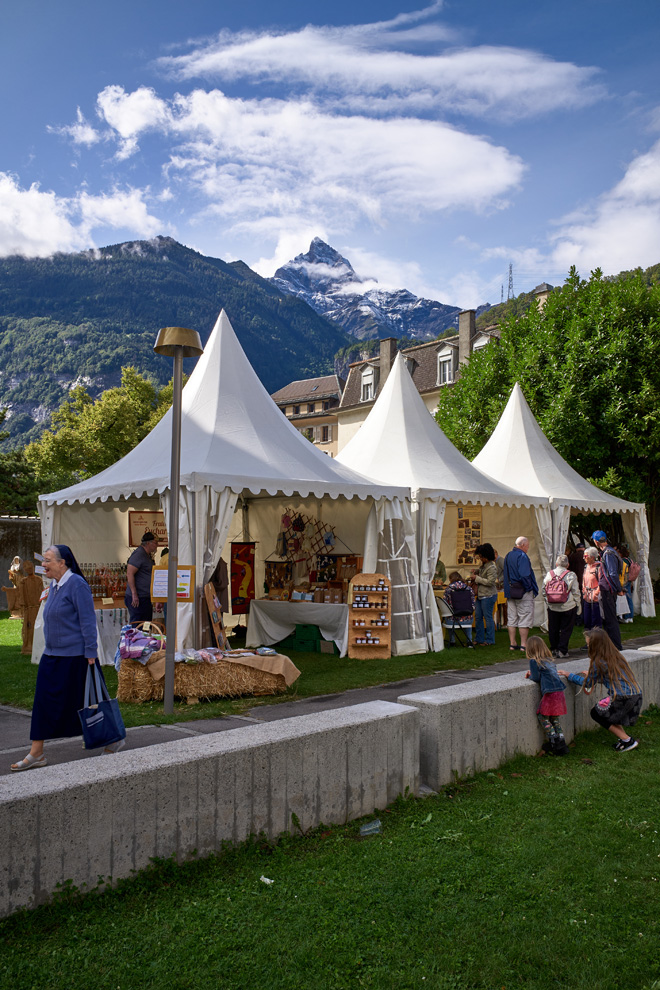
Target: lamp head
170	339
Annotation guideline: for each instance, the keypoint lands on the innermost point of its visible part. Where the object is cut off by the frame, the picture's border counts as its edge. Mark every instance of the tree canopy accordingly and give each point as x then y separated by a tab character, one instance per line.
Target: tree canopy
588	363
87	435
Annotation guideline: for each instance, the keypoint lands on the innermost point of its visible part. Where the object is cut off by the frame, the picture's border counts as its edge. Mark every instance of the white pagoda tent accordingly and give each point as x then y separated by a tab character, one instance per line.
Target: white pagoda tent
519	452
400	443
237	452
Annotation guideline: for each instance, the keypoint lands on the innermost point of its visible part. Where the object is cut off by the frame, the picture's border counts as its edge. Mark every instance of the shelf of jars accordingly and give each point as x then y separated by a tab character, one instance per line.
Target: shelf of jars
369	617
107	583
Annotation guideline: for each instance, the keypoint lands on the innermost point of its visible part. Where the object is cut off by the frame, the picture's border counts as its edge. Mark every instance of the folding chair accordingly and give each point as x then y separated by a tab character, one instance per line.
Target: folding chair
456	621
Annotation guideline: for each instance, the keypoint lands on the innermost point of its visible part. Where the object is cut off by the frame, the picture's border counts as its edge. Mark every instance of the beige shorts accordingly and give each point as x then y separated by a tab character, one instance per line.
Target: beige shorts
520	611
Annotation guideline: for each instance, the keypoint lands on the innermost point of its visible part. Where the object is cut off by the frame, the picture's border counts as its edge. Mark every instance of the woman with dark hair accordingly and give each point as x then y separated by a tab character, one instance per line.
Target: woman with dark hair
485	579
70	639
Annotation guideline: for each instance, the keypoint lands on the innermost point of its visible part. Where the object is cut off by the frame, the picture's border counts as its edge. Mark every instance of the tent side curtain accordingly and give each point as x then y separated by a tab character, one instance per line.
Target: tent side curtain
390	549
636	522
204	519
429	517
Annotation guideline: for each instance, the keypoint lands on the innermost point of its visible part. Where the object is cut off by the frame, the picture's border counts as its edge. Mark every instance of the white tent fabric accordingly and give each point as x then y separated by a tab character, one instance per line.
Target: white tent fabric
234	441
519	451
400	443
230	438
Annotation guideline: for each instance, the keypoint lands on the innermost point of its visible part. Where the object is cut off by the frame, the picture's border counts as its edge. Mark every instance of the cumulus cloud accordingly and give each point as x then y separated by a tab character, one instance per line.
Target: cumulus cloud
37	223
367	68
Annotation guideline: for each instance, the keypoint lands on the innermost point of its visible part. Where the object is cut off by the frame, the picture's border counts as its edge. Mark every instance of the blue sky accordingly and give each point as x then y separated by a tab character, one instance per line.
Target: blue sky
432	145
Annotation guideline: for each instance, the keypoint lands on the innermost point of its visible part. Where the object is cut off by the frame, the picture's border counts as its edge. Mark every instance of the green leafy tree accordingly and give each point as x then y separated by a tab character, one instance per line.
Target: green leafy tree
87	435
18	485
588	363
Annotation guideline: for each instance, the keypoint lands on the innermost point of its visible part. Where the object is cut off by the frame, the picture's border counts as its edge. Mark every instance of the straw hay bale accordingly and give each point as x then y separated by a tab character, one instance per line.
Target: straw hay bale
224	679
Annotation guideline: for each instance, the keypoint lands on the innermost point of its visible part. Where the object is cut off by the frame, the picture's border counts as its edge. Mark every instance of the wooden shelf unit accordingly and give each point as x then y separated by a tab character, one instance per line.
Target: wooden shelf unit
369	617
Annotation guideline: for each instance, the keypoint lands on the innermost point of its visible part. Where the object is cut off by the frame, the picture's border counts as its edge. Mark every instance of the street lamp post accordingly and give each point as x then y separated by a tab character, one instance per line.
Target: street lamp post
176	342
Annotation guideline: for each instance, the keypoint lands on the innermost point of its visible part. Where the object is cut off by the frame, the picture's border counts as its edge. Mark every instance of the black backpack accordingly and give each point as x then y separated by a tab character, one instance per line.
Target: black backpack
460	601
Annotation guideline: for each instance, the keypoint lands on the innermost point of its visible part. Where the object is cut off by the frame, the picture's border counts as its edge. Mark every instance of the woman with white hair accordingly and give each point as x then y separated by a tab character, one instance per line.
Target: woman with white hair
562	596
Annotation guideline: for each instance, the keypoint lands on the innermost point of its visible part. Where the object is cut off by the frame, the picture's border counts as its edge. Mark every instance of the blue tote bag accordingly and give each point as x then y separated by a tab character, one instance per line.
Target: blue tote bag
101	719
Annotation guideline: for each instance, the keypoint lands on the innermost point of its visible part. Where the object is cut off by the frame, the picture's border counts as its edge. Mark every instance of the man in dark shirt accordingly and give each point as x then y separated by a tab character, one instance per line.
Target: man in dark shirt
138	573
609	584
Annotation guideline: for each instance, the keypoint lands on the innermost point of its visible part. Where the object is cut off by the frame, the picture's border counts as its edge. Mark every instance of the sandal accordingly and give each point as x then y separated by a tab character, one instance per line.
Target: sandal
29	762
114	747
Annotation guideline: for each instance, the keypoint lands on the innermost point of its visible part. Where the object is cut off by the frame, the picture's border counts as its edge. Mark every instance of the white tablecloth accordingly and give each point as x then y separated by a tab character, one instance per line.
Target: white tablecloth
270	622
108	624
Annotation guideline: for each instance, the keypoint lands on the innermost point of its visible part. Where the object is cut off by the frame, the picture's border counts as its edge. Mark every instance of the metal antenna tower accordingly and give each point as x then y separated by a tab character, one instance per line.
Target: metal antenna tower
509	291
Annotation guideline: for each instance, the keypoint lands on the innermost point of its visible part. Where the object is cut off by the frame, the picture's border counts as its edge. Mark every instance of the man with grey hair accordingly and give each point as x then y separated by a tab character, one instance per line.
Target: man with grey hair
520	590
562	596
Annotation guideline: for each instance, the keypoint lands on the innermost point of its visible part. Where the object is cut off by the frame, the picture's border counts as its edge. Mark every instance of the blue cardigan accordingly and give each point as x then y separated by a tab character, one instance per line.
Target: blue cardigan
69	620
626	688
518	567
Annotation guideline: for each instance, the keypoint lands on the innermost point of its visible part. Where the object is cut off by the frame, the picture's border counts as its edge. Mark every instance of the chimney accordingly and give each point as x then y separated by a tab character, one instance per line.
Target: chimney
466	331
387	355
541	293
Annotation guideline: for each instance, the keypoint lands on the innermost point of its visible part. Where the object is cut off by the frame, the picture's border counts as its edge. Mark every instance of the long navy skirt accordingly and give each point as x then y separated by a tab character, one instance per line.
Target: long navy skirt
58	697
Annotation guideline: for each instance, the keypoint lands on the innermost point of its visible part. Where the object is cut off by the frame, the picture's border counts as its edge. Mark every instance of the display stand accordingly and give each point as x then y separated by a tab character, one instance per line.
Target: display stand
215	614
369	617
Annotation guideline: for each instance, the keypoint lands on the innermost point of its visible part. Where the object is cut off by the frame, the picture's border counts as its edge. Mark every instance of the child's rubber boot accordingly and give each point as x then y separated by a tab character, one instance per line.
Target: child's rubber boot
559	747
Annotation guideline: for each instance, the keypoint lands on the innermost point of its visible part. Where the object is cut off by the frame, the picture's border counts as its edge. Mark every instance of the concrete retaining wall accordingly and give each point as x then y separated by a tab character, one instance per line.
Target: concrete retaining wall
479	725
108	816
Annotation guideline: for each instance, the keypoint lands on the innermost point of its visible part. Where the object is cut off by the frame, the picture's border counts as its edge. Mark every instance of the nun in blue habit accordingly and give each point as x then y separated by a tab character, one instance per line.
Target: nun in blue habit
70	647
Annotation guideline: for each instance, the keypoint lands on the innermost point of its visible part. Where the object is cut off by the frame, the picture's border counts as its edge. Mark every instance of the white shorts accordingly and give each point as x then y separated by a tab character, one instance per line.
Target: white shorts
520	611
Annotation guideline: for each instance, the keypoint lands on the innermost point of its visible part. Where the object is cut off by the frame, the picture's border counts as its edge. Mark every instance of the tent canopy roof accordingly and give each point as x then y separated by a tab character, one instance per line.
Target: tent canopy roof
232	435
519	451
400	442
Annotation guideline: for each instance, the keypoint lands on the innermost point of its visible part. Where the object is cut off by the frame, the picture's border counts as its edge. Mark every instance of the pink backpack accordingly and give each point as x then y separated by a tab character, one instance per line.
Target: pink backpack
633	571
556	590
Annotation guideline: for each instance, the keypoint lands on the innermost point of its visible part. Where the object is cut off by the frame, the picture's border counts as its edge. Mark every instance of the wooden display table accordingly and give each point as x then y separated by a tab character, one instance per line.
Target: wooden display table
369	617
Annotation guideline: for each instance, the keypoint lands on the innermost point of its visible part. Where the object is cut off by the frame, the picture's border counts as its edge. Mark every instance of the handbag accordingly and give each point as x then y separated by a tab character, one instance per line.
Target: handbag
622	607
101	720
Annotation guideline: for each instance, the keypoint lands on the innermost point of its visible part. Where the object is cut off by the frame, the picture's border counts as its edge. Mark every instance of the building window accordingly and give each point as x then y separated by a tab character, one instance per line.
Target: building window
296	410
326	406
310	407
368	384
326	434
444	370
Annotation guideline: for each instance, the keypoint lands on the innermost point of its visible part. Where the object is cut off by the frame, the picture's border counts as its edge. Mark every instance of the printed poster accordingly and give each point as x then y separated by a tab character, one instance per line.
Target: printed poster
469	533
241	577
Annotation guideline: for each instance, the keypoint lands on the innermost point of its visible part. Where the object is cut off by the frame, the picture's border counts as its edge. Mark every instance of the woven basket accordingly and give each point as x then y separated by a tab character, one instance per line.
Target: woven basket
200	680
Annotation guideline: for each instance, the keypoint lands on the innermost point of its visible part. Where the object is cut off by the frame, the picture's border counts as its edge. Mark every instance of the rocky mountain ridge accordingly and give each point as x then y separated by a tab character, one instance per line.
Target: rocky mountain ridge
328	283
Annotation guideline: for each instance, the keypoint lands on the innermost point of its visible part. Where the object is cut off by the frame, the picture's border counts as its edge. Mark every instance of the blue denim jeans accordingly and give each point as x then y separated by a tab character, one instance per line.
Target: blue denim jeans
628	590
484	613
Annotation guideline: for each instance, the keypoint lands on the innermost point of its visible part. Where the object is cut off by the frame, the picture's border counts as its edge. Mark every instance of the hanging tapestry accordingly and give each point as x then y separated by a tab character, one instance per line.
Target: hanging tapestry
242	577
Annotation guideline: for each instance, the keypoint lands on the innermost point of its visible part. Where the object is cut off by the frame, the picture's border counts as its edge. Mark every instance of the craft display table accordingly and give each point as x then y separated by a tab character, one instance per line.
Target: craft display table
271	622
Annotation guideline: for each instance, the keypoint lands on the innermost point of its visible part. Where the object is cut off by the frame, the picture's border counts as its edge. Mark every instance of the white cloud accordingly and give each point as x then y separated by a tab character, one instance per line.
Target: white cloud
356	67
36	223
81	132
253	159
622	229
131	114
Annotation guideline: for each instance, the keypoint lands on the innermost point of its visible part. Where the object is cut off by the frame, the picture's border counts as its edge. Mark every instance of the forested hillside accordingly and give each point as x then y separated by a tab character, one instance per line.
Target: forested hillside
79	318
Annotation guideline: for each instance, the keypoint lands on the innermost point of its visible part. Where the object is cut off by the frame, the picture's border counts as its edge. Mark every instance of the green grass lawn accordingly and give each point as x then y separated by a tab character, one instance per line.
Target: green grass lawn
544	875
321	673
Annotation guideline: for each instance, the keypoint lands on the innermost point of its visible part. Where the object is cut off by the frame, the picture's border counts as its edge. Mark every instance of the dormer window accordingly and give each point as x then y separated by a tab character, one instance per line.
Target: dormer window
368	384
445	366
